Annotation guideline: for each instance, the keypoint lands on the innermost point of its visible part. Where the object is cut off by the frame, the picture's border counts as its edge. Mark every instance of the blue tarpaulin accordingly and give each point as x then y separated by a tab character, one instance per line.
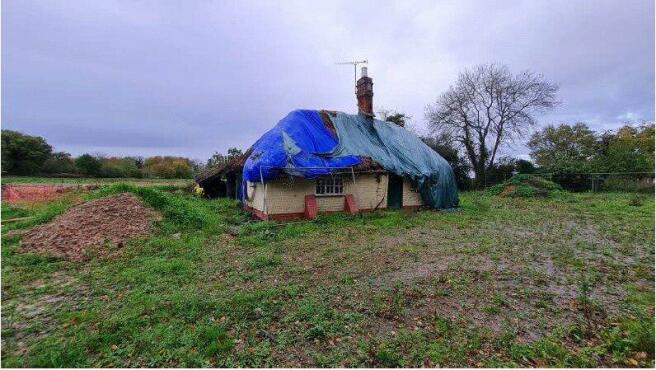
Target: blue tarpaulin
301	145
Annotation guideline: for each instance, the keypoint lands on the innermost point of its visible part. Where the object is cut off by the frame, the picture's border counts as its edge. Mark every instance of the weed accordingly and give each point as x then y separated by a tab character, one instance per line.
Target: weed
636	200
215	339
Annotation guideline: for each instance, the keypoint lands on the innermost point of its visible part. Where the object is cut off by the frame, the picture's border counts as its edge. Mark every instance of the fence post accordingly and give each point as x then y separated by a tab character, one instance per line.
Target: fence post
592	184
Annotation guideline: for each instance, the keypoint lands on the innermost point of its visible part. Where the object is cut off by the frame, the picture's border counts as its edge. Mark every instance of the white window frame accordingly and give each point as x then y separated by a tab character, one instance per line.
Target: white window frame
330	185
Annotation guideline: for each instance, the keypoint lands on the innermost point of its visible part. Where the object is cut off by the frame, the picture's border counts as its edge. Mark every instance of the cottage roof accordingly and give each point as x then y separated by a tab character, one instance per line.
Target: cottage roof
310	144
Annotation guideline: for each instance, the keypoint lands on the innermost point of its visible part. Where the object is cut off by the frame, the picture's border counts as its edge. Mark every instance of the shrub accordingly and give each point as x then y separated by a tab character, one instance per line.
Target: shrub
119	167
572	181
168	167
627	183
88	165
59	163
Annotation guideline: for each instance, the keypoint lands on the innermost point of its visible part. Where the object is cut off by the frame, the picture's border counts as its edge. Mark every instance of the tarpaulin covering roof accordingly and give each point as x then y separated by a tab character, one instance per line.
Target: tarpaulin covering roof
301	145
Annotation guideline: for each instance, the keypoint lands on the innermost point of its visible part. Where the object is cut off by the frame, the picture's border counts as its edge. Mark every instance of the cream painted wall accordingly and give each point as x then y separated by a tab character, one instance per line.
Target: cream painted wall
410	196
288	195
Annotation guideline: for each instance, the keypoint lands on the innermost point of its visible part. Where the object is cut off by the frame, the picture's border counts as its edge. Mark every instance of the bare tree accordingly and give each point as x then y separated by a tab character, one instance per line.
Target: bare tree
488	108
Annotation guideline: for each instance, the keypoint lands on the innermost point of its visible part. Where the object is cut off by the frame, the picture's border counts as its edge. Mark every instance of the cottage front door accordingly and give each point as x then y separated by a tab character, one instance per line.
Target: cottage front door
395	191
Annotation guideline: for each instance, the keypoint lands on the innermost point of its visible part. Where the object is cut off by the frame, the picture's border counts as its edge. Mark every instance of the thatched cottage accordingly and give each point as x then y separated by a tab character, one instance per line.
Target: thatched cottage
326	161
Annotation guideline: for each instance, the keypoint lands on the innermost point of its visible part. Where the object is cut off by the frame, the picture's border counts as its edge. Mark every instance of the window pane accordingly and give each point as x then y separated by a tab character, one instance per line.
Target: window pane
319	186
329	185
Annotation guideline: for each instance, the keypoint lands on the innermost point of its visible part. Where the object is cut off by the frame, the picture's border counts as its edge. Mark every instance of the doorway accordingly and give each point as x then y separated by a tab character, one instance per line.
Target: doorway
395	191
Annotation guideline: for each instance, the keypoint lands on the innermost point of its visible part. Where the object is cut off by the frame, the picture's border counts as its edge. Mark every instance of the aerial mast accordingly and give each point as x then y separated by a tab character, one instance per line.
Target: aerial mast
355	68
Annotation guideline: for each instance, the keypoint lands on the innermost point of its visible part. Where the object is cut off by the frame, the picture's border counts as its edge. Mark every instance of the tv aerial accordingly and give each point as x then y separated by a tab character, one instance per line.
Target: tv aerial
355	68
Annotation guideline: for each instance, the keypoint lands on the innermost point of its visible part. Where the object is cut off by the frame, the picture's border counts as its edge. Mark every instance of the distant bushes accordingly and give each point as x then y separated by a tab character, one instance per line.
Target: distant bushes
628	183
59	162
119	167
32	155
168	167
134	167
580	159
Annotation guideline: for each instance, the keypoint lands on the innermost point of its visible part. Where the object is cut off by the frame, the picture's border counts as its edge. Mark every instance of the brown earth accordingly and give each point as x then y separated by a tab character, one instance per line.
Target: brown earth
99	227
508	190
20	193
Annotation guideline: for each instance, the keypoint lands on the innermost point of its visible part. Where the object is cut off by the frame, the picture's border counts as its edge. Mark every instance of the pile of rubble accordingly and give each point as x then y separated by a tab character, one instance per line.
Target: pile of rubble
96	228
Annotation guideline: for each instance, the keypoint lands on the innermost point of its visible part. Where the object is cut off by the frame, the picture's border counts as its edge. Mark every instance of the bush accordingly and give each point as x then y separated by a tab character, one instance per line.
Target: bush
572	181
628	183
525	186
59	163
168	167
88	165
119	167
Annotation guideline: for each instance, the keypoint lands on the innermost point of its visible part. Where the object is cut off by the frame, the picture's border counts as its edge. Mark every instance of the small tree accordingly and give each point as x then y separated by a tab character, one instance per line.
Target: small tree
525	167
630	149
119	167
502	170
88	165
218	158
59	163
395	117
181	168
398	119
168	167
487	108
23	154
564	148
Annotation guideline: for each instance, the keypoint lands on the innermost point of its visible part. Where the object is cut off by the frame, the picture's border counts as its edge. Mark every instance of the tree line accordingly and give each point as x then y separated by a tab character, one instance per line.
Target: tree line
26	155
568	153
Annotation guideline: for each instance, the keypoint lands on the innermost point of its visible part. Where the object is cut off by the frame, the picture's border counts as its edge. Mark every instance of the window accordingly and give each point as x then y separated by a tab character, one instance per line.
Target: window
330	186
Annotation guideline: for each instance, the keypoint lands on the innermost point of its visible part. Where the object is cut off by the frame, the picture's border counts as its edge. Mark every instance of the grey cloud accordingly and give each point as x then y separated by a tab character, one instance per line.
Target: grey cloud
192	77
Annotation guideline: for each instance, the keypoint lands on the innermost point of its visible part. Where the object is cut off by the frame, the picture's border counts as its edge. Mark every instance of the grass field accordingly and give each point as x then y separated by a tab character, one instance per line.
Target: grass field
28	180
503	282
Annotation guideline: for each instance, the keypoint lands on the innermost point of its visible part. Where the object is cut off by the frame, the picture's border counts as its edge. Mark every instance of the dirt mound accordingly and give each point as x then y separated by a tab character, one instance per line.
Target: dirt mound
525	186
99	227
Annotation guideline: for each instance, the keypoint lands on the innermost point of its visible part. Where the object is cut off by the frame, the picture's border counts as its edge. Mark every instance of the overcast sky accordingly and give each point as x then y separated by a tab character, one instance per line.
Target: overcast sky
193	77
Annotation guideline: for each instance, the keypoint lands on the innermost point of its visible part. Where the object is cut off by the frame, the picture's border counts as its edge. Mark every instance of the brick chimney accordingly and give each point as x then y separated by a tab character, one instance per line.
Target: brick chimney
364	90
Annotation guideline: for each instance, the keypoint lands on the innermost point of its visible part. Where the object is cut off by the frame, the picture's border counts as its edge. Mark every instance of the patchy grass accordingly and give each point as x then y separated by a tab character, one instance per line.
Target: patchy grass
504	282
